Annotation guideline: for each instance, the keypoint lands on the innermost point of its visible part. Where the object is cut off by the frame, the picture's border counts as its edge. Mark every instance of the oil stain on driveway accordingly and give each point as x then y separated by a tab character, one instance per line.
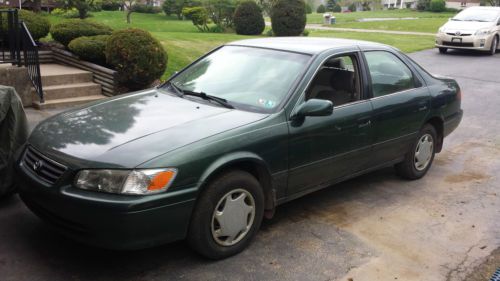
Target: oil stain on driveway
375	227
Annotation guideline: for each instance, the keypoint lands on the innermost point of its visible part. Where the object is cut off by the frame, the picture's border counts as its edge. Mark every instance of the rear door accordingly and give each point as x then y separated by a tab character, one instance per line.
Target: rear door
400	103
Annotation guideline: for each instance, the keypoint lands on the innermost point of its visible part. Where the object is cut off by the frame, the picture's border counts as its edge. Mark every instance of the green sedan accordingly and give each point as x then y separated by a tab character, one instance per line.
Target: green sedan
247	127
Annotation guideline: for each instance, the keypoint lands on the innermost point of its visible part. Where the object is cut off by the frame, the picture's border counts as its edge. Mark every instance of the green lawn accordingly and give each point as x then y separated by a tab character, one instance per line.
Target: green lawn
426	22
184	42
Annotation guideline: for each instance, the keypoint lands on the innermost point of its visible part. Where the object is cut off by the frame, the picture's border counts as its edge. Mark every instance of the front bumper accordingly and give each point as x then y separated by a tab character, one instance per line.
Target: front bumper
470	42
109	220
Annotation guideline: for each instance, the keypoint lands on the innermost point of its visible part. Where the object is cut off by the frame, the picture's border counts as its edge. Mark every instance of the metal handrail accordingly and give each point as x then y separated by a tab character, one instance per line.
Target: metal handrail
15	38
31	62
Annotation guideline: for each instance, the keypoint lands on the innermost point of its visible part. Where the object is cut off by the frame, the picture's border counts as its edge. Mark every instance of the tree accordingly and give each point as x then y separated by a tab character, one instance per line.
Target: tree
321	9
330	4
129	4
221	12
83	6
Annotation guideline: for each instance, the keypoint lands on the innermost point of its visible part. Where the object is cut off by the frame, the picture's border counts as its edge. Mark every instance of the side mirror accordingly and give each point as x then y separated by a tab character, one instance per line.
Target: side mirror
314	107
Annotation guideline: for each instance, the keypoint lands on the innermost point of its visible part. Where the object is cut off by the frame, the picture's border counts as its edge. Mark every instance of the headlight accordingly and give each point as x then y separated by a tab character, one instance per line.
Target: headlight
483	32
139	182
441	30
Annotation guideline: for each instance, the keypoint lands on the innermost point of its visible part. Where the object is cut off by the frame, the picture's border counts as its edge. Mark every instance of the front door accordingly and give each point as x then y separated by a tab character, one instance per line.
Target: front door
326	148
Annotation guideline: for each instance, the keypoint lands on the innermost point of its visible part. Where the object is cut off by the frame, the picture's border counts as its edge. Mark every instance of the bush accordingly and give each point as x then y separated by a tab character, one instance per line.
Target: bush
146	9
90	48
111	5
66	13
438	6
248	19
37	24
288	17
352	7
423	5
337	8
137	56
321	9
66	31
199	17
309	9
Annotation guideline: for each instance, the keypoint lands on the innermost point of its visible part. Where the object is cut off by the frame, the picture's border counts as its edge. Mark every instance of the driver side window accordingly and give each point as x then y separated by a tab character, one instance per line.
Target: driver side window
337	81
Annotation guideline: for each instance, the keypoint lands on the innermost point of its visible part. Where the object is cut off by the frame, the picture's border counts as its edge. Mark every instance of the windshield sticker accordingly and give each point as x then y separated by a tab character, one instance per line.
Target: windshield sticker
267	103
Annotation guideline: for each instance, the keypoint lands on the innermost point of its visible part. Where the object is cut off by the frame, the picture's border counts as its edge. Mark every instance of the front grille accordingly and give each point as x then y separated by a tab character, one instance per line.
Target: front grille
457	44
44	168
462	34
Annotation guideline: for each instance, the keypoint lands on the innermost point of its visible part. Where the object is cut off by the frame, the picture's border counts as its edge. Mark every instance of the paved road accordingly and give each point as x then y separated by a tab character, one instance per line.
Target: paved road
376	227
323	27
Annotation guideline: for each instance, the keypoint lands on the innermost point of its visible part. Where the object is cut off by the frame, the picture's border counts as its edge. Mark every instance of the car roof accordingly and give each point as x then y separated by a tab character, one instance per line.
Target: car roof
484	8
307	45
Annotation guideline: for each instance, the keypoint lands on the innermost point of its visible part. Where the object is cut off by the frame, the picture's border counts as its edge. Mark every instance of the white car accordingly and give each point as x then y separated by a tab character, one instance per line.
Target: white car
475	28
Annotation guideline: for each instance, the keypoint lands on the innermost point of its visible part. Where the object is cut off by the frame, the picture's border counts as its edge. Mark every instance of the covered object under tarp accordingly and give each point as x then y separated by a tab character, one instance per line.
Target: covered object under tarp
13	134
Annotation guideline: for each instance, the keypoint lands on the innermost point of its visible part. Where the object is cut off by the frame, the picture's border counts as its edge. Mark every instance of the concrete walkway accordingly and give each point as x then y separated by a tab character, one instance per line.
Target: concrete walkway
314	26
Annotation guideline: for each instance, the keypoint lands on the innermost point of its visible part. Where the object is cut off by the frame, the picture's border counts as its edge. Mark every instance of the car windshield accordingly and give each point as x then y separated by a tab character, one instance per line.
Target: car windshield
477	15
249	78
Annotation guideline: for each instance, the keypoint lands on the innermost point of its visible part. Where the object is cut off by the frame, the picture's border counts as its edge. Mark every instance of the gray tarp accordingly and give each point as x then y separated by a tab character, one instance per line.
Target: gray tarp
13	134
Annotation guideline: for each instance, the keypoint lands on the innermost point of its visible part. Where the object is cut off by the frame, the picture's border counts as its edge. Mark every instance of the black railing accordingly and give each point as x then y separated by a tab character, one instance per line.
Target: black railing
18	47
30	54
9	37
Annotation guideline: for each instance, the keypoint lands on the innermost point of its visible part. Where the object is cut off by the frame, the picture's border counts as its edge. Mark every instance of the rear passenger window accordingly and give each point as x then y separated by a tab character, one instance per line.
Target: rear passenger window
388	73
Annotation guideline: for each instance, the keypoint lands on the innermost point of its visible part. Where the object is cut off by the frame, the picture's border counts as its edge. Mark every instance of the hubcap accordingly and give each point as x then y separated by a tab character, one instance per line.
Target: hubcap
233	217
423	152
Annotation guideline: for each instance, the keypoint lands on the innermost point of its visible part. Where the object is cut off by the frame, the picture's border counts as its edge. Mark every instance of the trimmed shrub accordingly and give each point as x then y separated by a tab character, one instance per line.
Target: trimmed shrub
288	17
321	9
352	7
71	29
111	5
438	6
199	17
66	13
137	56
90	48
37	24
146	9
309	9
248	19
337	8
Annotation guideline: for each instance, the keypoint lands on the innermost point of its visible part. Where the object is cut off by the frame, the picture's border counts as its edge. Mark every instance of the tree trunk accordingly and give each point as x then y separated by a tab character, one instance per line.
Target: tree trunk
129	12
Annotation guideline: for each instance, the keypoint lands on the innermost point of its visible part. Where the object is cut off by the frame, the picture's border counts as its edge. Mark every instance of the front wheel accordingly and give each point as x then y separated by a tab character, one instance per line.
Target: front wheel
443	50
227	216
419	158
494	45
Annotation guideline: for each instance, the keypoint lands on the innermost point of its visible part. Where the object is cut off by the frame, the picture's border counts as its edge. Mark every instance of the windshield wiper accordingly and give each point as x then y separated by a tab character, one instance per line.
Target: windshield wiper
205	96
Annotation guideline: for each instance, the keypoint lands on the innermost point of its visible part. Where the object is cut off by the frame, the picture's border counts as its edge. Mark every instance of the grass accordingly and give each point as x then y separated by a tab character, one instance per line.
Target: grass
426	22
184	42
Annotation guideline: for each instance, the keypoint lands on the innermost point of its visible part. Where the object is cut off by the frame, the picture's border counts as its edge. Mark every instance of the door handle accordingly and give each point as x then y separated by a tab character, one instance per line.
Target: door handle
364	124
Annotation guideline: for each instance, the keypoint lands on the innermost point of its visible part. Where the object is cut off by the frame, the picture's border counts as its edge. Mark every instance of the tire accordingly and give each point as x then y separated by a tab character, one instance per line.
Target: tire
443	50
411	168
206	234
494	46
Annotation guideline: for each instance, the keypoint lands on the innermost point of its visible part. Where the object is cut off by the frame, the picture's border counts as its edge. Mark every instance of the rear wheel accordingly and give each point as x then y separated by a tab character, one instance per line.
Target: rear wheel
227	216
494	45
419	158
443	50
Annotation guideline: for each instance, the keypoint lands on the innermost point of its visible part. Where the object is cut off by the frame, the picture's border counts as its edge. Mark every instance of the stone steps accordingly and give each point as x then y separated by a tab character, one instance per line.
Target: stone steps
66	86
65	102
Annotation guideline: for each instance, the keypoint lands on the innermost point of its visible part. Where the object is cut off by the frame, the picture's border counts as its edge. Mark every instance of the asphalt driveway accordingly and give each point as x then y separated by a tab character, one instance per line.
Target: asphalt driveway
375	227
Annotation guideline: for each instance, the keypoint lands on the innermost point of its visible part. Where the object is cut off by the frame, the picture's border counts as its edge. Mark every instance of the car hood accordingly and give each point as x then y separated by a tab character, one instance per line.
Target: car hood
129	130
465	25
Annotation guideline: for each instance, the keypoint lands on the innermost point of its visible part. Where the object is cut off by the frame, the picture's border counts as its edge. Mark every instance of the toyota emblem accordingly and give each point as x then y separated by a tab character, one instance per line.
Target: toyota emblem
458	33
37	165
